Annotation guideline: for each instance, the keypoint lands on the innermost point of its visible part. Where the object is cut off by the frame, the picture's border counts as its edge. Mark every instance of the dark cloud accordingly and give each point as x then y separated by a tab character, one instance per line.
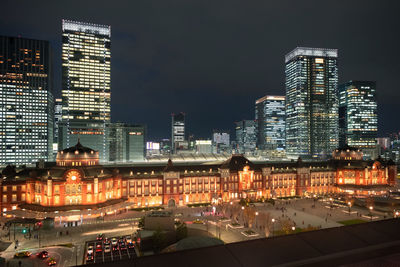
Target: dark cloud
212	59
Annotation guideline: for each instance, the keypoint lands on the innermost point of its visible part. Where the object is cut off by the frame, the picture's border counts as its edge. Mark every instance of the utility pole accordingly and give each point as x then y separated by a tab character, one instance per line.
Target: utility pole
14	231
39	236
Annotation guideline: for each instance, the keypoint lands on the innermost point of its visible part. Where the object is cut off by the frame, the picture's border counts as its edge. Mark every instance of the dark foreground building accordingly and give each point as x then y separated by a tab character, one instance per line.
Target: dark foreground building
368	244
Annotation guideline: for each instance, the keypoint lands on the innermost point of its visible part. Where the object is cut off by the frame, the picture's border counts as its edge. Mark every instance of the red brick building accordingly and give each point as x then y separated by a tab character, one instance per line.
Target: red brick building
77	180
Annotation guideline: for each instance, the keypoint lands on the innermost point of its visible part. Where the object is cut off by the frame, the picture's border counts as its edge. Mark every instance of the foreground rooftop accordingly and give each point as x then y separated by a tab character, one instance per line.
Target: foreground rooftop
356	245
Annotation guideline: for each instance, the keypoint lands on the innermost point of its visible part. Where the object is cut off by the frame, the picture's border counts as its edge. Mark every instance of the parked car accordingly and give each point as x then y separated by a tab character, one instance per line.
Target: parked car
107	248
90	250
122	245
99	248
100	237
89	257
114	241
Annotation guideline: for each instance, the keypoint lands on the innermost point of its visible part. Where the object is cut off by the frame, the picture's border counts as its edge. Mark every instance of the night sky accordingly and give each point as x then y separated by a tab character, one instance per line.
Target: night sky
213	59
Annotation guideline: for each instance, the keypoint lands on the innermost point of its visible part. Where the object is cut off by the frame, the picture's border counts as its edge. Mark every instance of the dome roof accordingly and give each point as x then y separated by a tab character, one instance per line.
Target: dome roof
347	148
347	152
237	162
78	147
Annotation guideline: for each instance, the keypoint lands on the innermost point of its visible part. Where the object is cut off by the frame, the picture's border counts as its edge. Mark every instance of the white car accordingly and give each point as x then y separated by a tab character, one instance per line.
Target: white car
90	249
114	241
107	249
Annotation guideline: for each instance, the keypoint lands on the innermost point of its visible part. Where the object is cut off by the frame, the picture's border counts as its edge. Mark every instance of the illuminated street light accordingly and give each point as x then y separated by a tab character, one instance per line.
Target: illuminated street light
349	204
293	228
242	207
256	213
370	211
273	226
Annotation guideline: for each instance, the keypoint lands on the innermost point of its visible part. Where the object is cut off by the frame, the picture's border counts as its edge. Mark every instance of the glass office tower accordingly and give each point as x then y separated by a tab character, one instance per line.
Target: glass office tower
246	136
126	142
86	80
358	116
270	118
177	130
26	101
311	102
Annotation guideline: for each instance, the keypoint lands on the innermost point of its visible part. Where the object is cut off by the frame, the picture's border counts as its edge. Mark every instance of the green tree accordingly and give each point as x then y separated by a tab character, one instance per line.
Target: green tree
181	231
141	223
159	240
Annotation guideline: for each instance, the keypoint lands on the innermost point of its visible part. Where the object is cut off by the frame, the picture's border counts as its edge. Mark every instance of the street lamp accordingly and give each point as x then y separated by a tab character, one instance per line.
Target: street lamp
396	214
331	199
273	226
242	207
293	228
349	204
370	211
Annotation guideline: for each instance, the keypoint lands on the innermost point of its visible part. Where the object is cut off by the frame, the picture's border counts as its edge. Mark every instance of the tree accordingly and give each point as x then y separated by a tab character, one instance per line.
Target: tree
224	209
265	221
286	226
249	215
181	231
235	210
159	240
141	223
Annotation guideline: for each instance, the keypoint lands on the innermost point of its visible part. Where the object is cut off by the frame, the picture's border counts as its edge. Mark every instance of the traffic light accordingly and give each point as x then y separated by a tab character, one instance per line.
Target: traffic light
24	231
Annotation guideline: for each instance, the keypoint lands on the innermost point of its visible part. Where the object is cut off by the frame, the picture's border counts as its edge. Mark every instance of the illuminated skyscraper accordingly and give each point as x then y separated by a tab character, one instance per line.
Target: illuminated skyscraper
246	136
57	120
270	118
26	101
358	118
86	93
311	102
221	142
177	130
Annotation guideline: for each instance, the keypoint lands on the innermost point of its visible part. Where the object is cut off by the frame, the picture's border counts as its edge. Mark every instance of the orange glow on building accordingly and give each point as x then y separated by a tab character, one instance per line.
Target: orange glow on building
77	180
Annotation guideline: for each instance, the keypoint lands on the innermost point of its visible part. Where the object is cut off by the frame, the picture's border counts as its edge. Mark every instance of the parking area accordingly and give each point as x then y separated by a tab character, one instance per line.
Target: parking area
106	249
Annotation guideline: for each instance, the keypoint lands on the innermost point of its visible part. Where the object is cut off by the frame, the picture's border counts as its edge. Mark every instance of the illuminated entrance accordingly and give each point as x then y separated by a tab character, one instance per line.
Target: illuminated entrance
171	203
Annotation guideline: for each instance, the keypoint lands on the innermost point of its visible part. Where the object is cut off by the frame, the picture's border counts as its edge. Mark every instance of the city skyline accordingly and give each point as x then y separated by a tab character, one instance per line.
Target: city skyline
169	74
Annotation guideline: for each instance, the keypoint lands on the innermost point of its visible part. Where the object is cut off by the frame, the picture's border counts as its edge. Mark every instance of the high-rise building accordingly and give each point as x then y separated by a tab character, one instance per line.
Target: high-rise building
311	102
383	142
57	120
221	142
125	142
26	101
358	117
270	118
177	130
246	136
86	79
203	146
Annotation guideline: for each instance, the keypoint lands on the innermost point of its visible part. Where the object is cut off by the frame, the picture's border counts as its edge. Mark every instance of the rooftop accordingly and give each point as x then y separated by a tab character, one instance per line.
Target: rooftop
311	52
363	243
